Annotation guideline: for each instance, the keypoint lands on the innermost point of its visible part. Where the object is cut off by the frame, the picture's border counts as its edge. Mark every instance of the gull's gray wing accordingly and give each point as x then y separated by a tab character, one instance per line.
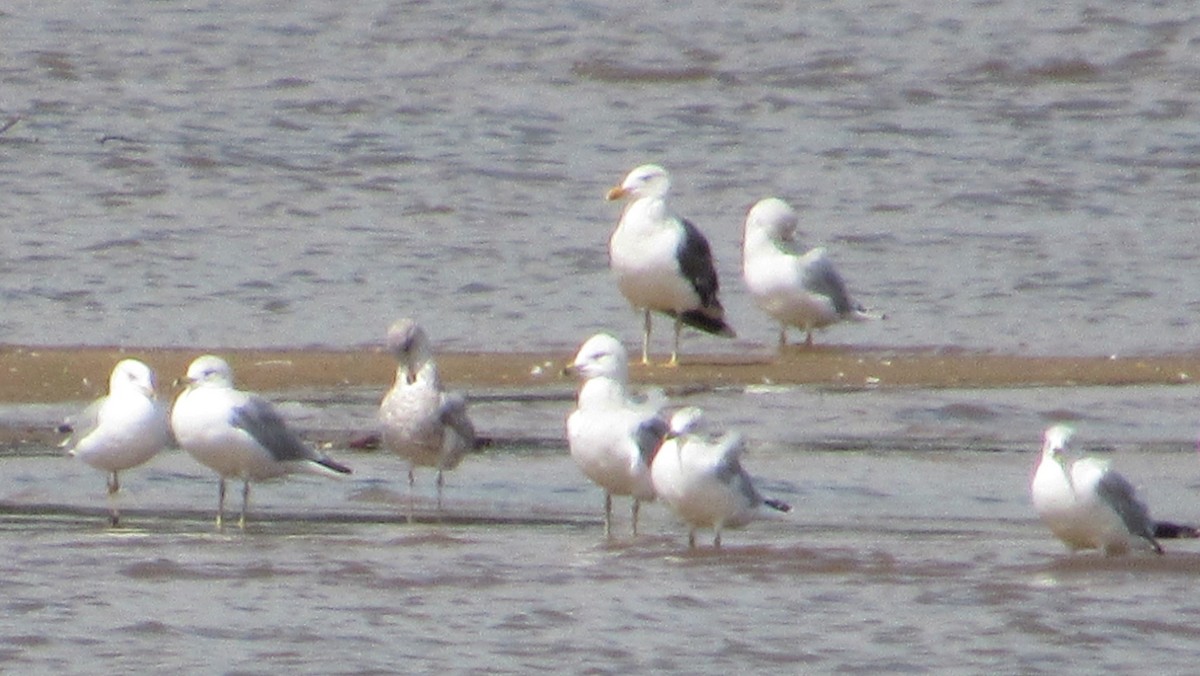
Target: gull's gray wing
730	470
729	467
649	436
1117	492
453	414
822	278
260	420
81	424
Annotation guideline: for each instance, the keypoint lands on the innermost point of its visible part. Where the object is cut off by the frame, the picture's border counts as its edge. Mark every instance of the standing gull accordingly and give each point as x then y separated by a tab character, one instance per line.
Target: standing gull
612	438
421	423
802	291
121	430
237	434
702	479
1086	504
662	262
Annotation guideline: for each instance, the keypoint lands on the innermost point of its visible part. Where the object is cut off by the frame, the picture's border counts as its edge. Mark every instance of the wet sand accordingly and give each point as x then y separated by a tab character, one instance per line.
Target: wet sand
40	374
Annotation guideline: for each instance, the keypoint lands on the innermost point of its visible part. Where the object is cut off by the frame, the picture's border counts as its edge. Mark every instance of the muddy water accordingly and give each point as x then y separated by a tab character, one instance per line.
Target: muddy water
990	175
912	547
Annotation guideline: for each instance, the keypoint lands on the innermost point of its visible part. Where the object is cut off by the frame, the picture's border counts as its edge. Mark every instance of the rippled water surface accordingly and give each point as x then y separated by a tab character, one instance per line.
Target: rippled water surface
990	174
912	546
996	175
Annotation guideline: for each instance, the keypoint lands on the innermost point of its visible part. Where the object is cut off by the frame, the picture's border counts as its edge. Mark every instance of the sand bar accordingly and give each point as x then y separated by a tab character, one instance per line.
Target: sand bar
53	374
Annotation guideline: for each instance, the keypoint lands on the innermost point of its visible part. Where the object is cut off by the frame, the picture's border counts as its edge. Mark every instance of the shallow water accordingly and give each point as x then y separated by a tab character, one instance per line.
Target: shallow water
912	547
990	175
877	570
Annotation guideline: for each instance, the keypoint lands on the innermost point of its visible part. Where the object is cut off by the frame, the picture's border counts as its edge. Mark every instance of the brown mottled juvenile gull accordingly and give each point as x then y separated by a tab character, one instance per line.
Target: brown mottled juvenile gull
421	423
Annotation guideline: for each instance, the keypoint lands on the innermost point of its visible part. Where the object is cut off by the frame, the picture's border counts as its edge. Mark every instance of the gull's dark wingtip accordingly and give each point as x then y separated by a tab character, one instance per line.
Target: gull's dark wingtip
330	463
777	505
708	323
1175	531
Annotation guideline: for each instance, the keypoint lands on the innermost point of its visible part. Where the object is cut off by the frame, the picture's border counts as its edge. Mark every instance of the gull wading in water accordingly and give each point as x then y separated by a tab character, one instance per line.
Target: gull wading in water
804	291
611	437
702	479
661	261
1086	504
121	430
237	434
421	423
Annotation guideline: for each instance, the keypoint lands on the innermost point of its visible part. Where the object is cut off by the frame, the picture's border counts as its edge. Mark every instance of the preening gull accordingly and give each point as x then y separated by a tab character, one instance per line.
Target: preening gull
1086	504
804	291
121	430
421	423
237	434
613	438
702	479
662	262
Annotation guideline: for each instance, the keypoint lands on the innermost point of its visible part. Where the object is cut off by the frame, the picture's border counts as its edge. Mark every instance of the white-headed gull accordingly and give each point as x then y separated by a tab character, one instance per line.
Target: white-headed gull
702	479
661	261
121	430
1085	503
804	291
612	438
238	434
420	422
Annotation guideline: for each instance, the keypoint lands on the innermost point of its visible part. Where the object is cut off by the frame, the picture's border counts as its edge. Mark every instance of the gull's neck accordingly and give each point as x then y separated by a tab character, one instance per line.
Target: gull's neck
1060	465
758	242
646	213
603	392
422	371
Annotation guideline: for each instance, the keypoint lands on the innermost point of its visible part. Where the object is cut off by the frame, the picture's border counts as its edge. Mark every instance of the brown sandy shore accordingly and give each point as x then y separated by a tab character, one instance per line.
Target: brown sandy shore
42	374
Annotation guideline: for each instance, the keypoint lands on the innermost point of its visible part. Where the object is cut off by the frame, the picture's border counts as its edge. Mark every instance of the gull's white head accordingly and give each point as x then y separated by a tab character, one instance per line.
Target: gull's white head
209	370
131	375
774	218
684	421
648	180
601	356
1054	445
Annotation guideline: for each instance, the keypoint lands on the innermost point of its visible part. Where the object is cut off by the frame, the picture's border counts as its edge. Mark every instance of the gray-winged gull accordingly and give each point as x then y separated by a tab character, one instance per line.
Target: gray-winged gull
237	434
122	429
804	291
611	437
1085	503
702	479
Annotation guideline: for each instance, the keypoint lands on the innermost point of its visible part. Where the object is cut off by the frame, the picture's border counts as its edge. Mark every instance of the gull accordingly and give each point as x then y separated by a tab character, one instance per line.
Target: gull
804	291
121	430
237	434
1085	503
662	262
611	437
420	422
702	479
